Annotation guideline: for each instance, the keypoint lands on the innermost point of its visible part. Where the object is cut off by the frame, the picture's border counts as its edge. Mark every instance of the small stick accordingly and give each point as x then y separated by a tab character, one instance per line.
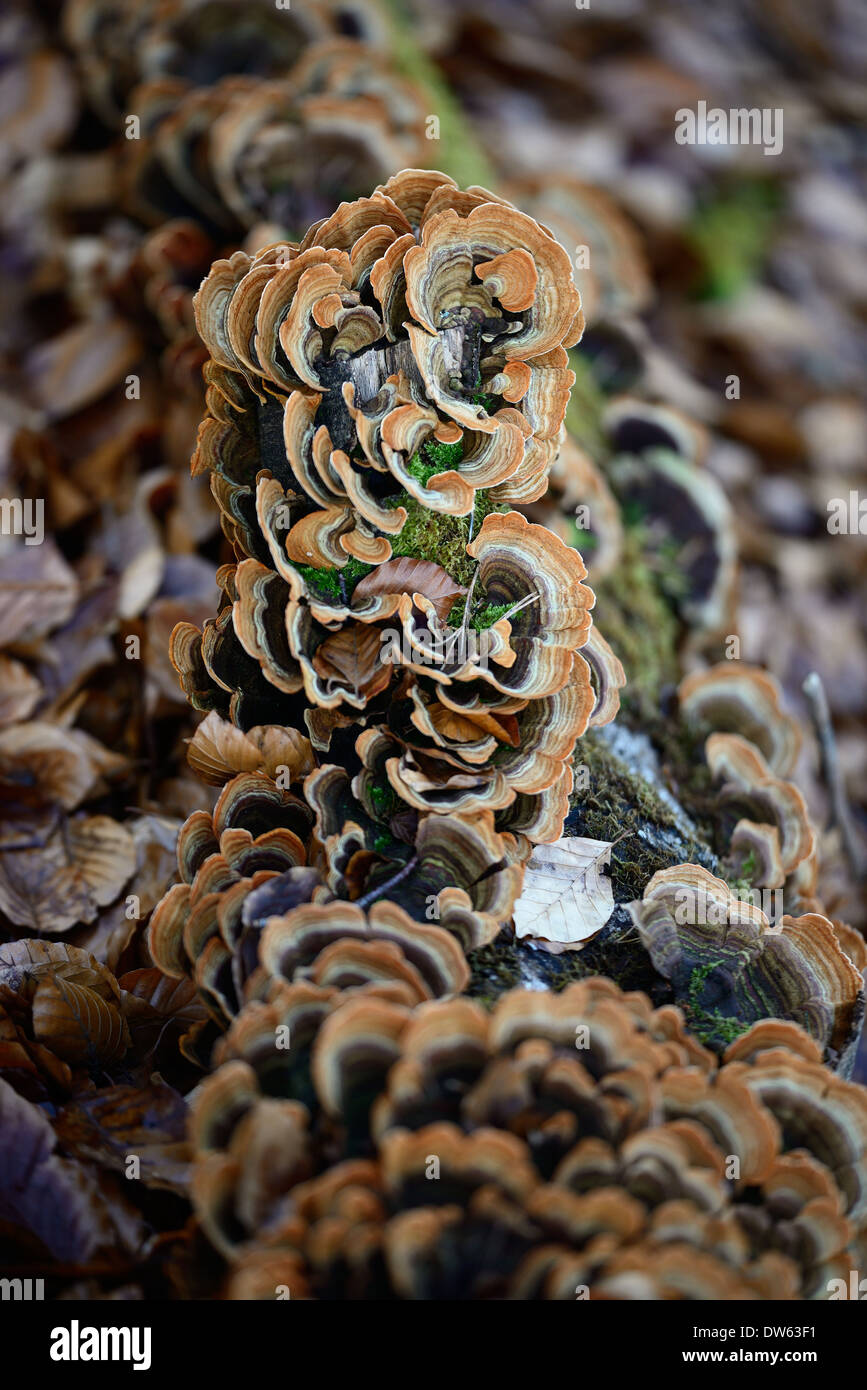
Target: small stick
371	897
841	815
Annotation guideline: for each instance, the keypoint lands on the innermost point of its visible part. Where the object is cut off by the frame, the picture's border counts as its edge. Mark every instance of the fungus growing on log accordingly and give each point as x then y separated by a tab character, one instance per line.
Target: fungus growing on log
379	394
607	1166
728	967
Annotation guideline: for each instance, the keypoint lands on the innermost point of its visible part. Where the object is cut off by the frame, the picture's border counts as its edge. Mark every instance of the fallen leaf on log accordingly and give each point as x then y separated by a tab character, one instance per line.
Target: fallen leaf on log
410	576
566	898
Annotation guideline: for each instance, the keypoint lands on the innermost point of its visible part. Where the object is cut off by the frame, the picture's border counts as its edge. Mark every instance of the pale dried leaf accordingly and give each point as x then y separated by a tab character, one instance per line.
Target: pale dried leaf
218	750
566	898
38	592
353	656
52	886
24	963
19	691
150	1122
81	364
55	764
150	1000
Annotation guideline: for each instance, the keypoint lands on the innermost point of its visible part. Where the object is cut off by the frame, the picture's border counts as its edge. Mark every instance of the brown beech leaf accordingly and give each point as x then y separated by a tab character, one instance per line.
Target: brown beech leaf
218	750
132	546
27	1065
43	763
24	963
19	691
150	1000
77	1024
108	935
322	723
468	728
68	876
38	592
149	1122
352	656
73	1211
408	576
81	364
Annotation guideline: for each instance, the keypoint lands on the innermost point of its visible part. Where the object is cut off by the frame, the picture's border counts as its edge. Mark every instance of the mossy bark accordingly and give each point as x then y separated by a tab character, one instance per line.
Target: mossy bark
628	799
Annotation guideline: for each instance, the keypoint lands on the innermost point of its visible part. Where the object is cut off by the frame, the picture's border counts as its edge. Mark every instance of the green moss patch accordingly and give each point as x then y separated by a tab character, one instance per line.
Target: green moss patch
335	585
432	458
642	629
712	1028
428	535
617	800
731	235
584	413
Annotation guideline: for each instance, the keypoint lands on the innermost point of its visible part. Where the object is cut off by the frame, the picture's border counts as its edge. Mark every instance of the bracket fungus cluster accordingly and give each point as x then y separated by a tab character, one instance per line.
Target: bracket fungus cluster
244	151
261	872
121	43
751	752
380	396
728	966
581	1141
398	862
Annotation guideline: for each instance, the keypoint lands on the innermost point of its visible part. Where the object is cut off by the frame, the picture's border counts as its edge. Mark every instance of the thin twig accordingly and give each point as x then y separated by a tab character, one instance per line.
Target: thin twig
371	897
841	815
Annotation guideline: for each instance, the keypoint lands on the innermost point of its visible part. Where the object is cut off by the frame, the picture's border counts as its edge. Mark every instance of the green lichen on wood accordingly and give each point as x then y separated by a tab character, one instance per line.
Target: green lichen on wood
494	969
615	953
686	774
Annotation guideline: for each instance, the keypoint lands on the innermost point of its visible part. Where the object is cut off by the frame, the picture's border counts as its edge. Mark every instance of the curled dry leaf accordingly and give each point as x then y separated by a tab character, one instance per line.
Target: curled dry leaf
409	576
149	1122
80	365
353	657
566	898
70	1210
77	1024
42	764
133	549
38	592
219	751
67	877
19	691
152	1001
23	964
